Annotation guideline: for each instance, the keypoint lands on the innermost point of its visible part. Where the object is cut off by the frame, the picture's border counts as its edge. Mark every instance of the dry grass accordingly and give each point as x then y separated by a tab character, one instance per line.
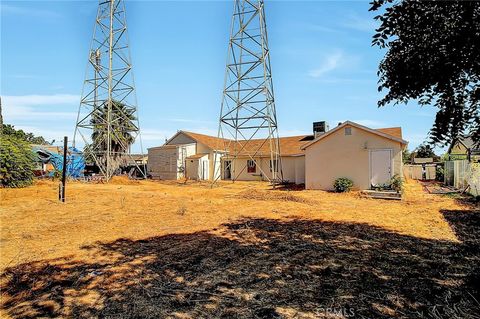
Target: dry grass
121	221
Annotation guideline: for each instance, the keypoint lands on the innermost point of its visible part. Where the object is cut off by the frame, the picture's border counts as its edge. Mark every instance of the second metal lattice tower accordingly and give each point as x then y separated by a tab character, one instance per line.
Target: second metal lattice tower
248	121
107	121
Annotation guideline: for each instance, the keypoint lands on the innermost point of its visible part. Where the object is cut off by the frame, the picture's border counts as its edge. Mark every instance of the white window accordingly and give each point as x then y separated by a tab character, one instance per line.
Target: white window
251	166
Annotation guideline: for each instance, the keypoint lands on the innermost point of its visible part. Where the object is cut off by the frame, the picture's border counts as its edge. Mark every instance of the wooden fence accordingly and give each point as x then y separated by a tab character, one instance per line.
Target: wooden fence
417	171
463	175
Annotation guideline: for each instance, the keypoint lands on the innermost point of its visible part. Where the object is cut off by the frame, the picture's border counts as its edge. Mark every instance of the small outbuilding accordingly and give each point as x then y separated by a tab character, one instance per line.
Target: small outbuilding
368	157
464	149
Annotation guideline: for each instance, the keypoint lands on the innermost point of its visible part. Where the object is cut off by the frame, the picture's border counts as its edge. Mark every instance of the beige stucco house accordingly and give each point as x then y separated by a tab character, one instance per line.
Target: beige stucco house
364	155
203	157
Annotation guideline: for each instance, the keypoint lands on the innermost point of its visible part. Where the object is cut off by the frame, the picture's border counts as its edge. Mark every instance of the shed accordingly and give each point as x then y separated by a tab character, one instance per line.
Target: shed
367	156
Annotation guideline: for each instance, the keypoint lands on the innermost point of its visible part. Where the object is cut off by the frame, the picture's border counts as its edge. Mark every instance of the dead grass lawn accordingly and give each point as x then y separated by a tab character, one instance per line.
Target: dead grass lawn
38	231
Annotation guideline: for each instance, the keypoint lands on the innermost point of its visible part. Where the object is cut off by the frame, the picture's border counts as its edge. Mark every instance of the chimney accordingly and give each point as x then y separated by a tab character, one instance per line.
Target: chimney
319	128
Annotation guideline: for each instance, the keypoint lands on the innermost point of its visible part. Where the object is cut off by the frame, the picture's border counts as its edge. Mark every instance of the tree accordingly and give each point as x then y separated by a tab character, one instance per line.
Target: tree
406	156
17	159
122	127
10	130
425	151
17	162
433	57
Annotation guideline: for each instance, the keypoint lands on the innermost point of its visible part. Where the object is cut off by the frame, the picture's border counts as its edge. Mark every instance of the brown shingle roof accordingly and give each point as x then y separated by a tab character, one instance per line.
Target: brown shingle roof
393	131
212	142
289	146
196	156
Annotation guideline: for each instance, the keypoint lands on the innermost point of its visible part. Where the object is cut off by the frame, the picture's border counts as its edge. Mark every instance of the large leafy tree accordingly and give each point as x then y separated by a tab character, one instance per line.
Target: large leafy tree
17	159
10	130
17	162
433	57
425	151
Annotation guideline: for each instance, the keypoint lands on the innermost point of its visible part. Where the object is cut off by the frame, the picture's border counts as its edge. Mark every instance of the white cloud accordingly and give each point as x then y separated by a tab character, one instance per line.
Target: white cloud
154	135
322	28
24	76
38	107
52	133
415	139
361	24
329	63
35	99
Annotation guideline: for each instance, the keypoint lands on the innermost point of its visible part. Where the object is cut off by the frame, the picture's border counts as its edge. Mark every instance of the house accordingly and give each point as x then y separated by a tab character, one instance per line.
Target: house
462	169
464	149
366	156
192	155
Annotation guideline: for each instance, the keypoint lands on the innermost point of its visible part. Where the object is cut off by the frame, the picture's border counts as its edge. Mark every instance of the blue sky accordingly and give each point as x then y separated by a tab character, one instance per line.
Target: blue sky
324	67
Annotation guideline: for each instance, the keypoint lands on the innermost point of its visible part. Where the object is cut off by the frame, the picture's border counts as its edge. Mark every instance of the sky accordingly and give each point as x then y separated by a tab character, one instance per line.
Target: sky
323	66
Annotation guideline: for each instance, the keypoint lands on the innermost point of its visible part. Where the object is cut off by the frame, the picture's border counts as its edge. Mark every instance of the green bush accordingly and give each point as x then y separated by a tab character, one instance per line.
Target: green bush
17	162
439	173
342	185
396	183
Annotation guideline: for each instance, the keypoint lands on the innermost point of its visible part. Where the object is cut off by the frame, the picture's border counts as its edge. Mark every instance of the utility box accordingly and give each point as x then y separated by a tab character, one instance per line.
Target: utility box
320	128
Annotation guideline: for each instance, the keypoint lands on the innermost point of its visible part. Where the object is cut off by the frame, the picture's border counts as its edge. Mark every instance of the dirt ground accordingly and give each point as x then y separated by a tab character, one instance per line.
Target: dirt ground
145	249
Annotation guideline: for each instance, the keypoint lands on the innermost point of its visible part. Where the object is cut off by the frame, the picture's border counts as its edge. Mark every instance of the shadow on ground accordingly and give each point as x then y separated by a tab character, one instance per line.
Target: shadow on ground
259	268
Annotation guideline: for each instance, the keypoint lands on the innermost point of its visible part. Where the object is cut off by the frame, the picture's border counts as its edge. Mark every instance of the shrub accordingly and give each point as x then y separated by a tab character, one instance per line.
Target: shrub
17	162
396	183
439	173
342	185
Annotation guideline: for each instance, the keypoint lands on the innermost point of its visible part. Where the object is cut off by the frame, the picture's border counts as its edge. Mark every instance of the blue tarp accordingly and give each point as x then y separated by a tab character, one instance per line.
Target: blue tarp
75	160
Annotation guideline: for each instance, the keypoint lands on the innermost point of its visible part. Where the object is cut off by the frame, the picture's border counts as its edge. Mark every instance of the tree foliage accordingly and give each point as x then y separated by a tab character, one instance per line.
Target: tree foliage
10	130
433	57
425	151
122	128
17	162
406	156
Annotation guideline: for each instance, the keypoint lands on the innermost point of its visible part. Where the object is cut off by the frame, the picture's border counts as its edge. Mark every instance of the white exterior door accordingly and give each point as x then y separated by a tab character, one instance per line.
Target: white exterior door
204	170
380	166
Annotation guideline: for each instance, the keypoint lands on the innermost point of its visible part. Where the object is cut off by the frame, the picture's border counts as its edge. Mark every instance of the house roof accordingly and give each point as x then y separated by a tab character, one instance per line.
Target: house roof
467	142
289	146
392	133
212	142
196	156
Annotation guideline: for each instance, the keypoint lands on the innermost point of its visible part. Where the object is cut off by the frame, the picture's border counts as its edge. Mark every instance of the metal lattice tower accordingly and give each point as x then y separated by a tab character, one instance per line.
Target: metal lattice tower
107	119
248	122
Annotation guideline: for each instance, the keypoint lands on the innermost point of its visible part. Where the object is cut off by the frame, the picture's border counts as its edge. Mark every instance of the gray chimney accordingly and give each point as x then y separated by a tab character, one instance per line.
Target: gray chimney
319	128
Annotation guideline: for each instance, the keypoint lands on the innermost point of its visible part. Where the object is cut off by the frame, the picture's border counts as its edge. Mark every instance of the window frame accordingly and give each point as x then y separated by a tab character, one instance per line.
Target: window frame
251	166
